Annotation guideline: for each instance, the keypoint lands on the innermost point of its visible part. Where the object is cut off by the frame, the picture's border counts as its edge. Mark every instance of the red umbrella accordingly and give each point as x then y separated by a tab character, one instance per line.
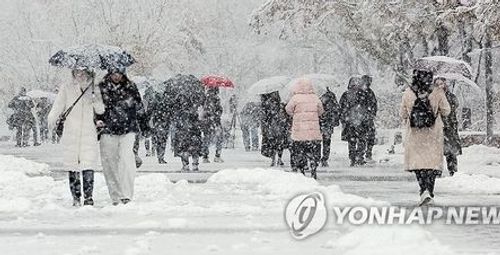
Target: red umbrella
213	81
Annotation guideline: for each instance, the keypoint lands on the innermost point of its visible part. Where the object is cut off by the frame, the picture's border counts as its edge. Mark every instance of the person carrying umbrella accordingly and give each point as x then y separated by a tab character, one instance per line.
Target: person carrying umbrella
79	139
274	122
22	119
452	146
422	109
123	118
306	108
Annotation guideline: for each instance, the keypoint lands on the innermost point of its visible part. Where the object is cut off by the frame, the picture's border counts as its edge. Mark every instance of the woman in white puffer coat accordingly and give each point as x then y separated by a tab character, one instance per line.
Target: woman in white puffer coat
81	148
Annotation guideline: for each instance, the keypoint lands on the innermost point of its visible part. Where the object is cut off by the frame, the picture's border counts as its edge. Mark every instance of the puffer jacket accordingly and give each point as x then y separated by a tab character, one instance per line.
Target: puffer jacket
305	107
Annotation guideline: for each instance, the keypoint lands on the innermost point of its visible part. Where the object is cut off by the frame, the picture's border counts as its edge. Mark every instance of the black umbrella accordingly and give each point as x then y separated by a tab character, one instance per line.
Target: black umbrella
92	56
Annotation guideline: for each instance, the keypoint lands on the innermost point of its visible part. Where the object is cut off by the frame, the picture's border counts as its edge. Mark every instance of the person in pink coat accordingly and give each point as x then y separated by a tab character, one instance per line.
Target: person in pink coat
305	107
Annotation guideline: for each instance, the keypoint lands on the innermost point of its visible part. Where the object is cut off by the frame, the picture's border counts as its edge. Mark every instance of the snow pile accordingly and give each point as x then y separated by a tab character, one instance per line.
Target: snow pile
469	184
11	163
283	185
383	240
480	159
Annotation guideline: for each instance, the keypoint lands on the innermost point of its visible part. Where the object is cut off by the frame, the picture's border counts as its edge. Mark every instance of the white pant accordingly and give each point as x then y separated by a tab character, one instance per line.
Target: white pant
118	162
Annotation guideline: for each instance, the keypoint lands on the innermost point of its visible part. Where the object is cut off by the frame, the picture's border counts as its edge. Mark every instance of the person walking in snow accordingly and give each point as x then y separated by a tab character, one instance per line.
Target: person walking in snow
187	139
306	108
328	121
79	139
161	118
22	119
371	114
43	109
422	111
452	145
250	116
123	118
352	116
212	125
274	127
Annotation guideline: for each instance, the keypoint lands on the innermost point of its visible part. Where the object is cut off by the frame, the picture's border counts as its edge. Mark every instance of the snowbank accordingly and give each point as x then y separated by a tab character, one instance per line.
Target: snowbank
469	184
284	185
383	240
14	164
480	159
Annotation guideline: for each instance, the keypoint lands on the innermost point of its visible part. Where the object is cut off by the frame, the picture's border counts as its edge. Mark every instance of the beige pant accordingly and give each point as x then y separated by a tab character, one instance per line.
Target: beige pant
118	162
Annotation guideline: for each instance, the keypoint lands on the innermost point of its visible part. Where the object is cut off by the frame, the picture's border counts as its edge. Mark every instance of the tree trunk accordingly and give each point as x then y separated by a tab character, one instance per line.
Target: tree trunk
488	63
466	40
442	37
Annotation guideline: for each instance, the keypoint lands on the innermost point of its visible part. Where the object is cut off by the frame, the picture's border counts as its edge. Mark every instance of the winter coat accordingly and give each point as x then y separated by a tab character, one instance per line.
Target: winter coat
354	113
160	112
124	111
185	120
452	144
305	107
275	125
22	105
79	139
424	147
250	115
330	119
212	112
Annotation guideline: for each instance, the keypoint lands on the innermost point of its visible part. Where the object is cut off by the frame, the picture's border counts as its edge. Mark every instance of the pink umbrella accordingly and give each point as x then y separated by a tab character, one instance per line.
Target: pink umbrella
214	81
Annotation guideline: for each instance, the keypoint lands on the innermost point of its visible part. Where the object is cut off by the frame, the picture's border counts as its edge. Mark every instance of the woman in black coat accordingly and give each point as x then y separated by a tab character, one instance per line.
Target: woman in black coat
275	126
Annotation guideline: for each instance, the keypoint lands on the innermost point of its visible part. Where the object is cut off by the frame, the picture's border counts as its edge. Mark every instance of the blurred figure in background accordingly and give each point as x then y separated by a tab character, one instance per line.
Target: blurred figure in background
371	114
274	128
22	119
212	125
250	123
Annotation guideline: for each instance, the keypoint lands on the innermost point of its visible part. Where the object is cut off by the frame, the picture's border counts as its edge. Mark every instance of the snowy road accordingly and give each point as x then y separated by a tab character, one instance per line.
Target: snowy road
195	214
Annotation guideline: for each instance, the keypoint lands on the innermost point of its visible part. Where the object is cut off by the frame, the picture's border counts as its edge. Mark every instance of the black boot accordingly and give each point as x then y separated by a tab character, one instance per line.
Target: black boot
88	187
75	188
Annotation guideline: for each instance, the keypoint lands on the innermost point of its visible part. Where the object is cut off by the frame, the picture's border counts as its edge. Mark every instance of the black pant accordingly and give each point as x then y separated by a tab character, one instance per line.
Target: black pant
75	184
426	179
160	140
327	142
357	147
452	163
304	153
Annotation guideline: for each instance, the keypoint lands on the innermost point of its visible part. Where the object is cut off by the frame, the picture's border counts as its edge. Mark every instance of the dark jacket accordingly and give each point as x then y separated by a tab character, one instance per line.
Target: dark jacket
185	119
330	118
22	105
452	144
212	110
124	111
250	115
275	125
372	108
354	113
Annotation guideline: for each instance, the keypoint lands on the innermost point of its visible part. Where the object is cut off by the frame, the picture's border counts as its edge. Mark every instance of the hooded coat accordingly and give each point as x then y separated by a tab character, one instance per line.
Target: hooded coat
424	147
81	148
305	107
274	124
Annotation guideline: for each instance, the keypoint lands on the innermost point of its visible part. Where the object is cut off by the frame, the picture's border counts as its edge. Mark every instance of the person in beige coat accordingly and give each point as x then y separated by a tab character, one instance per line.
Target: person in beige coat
424	145
305	107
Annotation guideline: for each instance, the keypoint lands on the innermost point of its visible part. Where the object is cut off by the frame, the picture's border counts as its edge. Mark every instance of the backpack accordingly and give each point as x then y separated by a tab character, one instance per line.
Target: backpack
422	115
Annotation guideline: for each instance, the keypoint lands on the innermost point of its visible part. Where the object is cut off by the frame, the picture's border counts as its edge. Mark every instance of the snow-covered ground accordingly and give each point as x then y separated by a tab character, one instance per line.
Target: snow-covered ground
233	208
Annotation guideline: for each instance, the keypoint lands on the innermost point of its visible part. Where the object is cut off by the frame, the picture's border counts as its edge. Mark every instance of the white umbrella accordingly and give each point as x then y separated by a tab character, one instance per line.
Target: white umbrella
461	83
268	85
320	82
40	94
443	65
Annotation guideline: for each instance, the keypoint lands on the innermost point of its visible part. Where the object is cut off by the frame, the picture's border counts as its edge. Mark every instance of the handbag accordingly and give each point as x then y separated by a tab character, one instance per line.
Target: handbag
62	118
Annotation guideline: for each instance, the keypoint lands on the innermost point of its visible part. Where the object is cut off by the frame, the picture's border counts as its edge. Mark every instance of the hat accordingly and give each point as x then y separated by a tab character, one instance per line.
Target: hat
117	69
